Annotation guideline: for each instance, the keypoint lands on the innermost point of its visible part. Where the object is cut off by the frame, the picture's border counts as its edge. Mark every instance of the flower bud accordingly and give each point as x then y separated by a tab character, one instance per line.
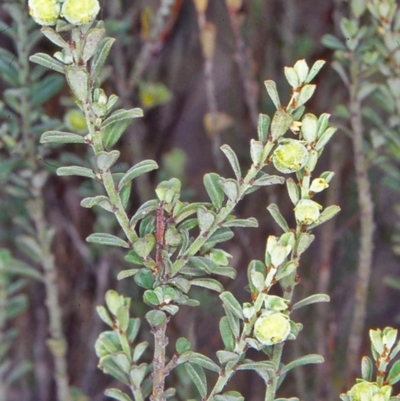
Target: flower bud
363	391
309	127
290	156
44	12
307	212
79	12
75	121
318	185
272	329
279	253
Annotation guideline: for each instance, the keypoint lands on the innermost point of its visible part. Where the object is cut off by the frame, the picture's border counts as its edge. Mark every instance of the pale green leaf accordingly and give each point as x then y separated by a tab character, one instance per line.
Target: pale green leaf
107	239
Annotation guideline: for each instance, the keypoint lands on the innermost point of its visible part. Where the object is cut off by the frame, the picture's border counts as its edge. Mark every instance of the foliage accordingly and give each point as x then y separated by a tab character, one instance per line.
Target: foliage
176	241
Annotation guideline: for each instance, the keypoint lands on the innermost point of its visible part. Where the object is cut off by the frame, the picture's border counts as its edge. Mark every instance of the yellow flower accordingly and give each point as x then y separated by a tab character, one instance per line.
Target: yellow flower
290	156
272	329
363	391
79	12
44	12
307	212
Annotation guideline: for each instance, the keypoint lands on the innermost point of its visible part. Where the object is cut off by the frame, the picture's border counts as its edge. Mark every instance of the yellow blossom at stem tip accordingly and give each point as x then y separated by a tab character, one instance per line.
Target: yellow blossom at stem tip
44	12
79	12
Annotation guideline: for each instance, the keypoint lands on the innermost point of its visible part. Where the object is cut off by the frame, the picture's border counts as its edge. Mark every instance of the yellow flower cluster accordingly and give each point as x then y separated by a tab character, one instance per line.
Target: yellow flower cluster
76	12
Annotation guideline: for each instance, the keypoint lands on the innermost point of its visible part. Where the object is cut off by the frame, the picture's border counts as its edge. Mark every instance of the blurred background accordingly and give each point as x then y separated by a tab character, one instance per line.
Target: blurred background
197	97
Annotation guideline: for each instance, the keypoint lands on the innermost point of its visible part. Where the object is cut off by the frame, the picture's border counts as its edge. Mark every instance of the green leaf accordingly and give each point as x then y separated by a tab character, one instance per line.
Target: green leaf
367	368
156	318
304	360
199	359
104	315
126	273
143	246
203	263
208	283
107	239
394	374
105	160
109	366
99	200
54	37
314	70
267	179
325	138
122	114
46	88
231	303
47	61
264	369
281	122
186	211
182	345
205	218
144	278
196	374
20	268
230	188
213	188
75	170
249	222
226	334
137	170
122	318
327	214
139	350
305	94
229	396
293	191
147	207
338	67
277	216
133	329
303	242
333	43
273	93
233	160
32	247
133	257
8	71
262	127
223	234
227	356
292	77
287	399
256	151
100	57
117	394
93	38
312	299
137	374
125	194
61	137
226	271
113	132
78	80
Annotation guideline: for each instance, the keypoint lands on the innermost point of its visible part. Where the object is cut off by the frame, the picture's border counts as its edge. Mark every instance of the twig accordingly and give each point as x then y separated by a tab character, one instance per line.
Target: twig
245	65
154	43
208	33
366	225
324	266
159	362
